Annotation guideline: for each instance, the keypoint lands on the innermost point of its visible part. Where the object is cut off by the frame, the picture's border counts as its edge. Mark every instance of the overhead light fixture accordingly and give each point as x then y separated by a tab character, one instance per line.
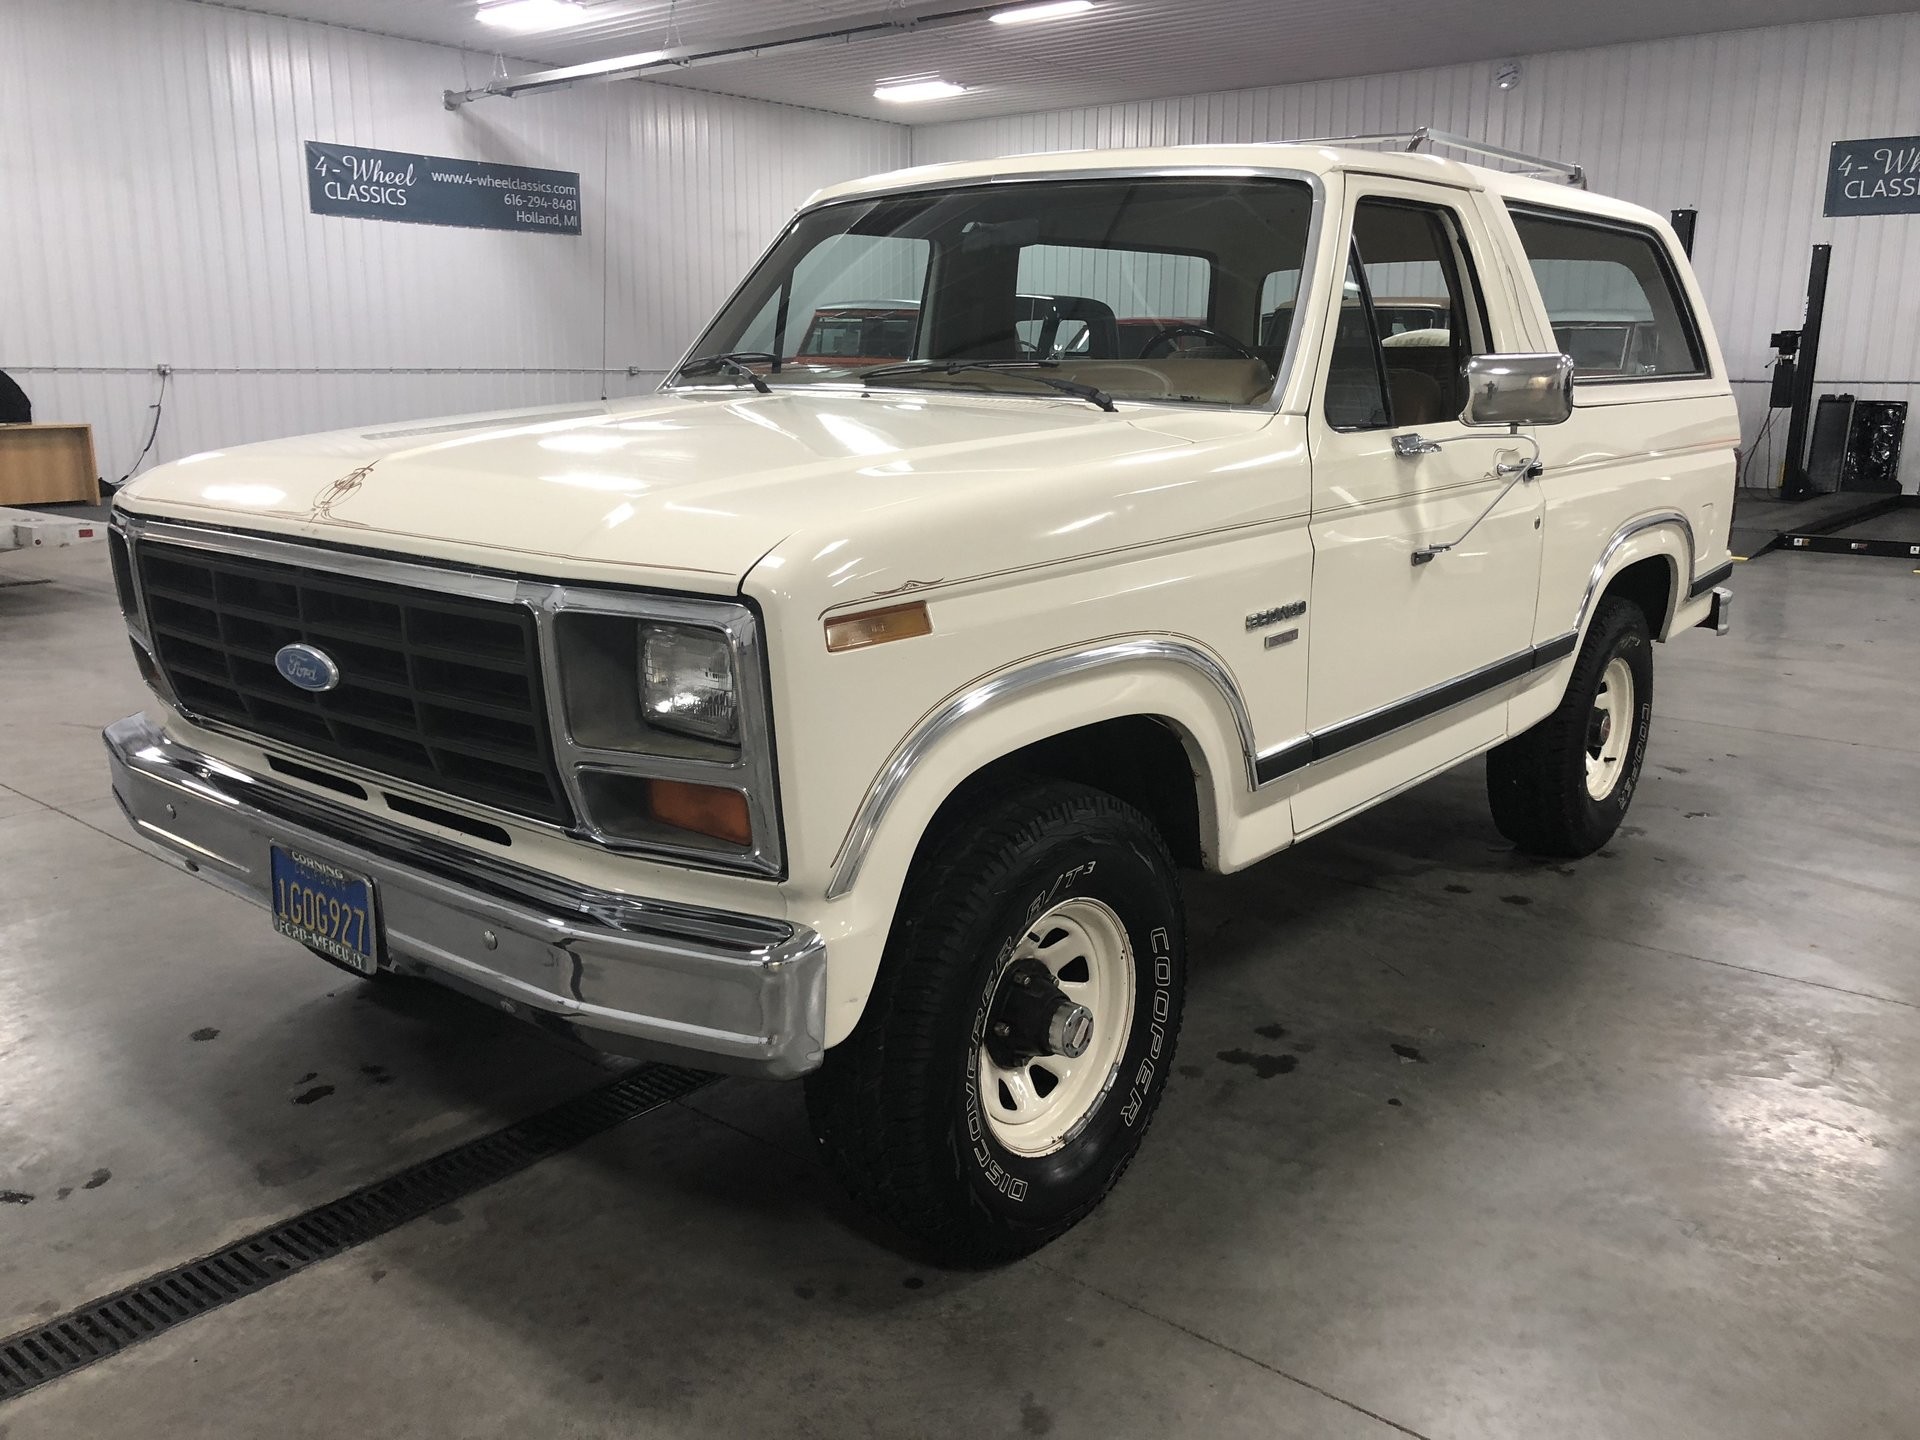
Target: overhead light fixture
611	68
523	17
893	21
906	91
1049	10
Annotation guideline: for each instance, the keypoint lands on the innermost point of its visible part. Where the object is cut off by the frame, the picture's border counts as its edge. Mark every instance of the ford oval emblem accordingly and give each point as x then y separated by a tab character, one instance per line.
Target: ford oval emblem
307	667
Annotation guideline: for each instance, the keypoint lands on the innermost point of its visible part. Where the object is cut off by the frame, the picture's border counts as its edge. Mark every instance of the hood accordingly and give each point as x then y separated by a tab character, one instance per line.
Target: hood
684	491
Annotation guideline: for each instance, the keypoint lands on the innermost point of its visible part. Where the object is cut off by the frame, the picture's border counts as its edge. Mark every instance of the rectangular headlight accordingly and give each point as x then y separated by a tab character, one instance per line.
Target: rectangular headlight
687	682
665	733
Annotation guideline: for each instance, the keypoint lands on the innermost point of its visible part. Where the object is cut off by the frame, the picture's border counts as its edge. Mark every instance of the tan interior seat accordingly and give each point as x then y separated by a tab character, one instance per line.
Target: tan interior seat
1429	355
1416	397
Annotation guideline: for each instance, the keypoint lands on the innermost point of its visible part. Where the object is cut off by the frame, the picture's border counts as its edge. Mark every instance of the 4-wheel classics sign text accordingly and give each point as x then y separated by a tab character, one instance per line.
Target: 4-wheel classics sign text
1874	177
439	190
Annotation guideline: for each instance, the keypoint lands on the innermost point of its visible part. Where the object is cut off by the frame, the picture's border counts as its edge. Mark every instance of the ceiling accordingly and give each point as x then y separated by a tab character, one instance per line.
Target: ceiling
1122	50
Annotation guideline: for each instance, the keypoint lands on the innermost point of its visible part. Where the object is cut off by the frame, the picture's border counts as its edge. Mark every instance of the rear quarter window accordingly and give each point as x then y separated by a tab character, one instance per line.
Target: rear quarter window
1612	295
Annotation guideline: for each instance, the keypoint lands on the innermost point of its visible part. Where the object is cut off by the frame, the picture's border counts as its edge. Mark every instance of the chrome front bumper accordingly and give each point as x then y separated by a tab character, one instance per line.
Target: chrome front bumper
709	988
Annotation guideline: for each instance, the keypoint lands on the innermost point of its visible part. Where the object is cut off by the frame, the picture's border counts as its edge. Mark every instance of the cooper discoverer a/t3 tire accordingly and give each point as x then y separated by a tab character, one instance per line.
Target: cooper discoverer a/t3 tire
1563	787
1020	1031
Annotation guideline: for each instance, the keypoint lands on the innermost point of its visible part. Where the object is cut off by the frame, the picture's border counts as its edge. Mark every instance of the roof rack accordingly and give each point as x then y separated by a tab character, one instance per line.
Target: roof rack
1426	137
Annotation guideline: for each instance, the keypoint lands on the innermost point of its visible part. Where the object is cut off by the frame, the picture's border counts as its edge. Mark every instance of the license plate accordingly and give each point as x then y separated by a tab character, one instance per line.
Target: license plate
326	907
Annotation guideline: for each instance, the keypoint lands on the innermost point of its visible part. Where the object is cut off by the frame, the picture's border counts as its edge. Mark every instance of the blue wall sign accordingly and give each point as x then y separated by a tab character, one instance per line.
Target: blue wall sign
1874	177
437	190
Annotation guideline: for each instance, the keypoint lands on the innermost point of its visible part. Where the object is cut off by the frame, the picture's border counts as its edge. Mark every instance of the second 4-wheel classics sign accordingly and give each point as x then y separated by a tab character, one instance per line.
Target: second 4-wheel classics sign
439	190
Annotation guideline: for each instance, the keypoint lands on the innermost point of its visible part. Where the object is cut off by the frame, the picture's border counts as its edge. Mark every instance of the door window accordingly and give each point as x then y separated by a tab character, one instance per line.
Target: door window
1356	379
1410	319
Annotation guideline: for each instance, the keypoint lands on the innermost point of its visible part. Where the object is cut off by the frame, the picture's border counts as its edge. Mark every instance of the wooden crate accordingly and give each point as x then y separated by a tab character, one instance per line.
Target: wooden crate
47	464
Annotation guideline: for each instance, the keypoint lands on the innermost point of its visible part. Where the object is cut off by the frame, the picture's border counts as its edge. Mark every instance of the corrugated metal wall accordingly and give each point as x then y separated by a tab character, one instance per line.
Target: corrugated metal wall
1736	125
153	209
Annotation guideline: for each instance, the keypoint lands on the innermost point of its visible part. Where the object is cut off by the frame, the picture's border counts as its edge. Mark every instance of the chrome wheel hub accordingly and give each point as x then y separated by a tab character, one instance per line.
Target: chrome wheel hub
1610	729
1056	1027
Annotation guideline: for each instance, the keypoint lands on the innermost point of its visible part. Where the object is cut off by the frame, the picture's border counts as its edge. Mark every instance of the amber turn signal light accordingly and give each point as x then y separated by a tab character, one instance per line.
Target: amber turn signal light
703	809
877	627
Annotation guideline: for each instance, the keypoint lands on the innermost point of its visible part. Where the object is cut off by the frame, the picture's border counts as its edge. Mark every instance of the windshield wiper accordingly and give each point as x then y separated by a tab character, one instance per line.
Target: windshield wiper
1023	369
733	363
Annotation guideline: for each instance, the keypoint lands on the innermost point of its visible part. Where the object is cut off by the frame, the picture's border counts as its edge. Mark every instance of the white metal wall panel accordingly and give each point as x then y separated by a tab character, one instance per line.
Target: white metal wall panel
698	190
155	210
1736	125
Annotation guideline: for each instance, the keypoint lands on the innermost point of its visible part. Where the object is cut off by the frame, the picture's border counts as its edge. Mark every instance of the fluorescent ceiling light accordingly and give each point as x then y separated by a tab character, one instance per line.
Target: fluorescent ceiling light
1051	10
909	90
525	16
614	65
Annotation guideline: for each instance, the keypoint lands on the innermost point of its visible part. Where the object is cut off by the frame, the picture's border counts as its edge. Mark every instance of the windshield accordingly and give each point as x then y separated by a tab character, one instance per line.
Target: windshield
1149	289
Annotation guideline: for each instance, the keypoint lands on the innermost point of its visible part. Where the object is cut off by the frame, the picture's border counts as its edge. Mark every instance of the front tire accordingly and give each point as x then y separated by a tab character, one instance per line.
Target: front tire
1562	788
1020	1031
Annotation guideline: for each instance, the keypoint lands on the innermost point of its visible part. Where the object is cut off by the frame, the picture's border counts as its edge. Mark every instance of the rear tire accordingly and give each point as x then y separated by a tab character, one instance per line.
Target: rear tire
1562	788
932	1113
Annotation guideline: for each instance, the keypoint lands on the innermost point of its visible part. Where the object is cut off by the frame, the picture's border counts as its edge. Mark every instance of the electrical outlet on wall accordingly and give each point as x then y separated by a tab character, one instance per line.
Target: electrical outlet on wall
163	369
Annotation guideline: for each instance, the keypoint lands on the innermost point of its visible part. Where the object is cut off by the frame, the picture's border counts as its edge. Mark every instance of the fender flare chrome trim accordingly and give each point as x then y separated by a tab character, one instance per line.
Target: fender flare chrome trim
951	713
886	786
1626	532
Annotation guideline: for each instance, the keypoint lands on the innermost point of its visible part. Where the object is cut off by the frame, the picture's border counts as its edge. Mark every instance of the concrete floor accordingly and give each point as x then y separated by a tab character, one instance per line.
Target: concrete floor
1459	1145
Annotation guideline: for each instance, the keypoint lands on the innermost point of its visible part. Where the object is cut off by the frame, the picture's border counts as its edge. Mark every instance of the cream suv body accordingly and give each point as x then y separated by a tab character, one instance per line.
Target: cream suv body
850	722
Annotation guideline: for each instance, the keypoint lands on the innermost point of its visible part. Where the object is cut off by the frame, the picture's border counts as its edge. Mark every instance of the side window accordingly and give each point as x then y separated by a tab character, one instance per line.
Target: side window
1612	297
1420	318
1356	384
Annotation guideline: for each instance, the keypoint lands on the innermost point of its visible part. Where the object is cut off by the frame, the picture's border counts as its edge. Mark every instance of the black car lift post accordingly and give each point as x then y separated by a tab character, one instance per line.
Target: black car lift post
1794	483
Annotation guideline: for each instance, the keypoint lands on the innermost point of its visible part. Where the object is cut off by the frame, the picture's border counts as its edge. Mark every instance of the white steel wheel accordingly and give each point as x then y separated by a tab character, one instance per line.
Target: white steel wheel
1036	1103
1610	730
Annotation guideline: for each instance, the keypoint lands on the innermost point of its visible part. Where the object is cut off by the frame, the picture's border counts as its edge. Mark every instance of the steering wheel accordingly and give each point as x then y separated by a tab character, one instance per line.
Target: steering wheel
1172	333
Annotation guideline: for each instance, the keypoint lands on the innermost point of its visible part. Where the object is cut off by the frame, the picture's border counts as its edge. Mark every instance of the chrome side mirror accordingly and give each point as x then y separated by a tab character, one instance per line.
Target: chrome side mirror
1518	390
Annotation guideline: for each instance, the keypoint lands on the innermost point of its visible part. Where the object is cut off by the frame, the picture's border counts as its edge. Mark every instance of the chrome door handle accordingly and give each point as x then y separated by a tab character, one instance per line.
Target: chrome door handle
1413	445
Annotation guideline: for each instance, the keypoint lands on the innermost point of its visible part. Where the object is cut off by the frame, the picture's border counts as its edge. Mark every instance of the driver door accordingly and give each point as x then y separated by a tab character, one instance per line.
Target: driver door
1412	657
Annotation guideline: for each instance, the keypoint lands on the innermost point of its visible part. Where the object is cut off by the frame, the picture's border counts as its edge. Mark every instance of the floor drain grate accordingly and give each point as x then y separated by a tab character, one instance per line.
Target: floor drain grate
111	1324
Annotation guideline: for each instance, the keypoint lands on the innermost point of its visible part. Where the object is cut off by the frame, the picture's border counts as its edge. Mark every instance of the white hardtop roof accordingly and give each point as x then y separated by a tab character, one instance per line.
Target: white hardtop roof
1311	158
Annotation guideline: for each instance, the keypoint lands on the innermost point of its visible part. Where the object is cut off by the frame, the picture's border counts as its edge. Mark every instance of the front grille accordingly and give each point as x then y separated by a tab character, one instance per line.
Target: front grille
439	689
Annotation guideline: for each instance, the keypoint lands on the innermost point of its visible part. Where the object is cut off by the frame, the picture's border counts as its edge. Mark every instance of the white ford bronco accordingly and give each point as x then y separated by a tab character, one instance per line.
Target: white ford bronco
1019	533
